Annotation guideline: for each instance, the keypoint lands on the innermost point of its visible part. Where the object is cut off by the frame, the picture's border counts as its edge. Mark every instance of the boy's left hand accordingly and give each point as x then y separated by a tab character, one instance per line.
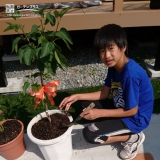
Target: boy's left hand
90	114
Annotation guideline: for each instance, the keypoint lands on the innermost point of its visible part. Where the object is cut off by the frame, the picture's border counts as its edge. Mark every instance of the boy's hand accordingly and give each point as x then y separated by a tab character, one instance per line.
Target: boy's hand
91	114
66	102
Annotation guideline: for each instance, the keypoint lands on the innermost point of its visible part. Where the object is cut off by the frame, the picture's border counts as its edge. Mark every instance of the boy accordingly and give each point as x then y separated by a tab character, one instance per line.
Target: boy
129	112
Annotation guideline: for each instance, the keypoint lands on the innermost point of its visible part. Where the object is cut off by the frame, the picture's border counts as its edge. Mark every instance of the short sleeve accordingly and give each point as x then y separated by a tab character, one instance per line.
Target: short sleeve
131	92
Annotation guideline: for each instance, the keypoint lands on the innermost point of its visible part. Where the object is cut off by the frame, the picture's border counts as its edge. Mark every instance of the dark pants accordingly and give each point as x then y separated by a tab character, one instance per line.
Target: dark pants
98	132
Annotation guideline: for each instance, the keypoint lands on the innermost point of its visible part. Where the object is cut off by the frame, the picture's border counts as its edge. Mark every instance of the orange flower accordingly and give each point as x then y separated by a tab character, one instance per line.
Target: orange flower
49	89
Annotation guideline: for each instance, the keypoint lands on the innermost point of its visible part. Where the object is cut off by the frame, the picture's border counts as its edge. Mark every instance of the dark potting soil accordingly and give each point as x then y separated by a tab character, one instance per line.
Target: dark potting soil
45	130
11	130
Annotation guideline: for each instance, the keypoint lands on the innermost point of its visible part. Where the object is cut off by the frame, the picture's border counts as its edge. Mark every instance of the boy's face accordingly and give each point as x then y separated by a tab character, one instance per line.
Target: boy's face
112	56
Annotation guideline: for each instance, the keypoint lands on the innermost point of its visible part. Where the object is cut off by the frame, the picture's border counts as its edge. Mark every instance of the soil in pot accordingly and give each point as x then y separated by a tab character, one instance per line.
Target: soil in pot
11	130
45	130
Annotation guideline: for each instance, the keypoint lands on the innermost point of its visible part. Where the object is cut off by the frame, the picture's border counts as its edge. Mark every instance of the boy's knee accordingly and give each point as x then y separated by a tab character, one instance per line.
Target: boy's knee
92	137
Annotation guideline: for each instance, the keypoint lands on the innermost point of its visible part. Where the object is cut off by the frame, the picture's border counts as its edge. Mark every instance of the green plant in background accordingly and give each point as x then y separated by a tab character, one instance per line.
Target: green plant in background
41	49
1	127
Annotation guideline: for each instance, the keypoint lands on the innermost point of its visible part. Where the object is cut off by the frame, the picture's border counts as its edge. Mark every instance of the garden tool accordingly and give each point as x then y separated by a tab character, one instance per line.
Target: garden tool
79	117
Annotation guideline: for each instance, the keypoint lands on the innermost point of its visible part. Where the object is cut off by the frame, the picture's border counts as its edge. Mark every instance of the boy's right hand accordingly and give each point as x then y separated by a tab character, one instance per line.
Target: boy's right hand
66	102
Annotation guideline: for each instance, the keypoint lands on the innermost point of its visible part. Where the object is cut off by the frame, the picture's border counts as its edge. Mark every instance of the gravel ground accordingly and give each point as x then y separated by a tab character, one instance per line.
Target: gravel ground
85	68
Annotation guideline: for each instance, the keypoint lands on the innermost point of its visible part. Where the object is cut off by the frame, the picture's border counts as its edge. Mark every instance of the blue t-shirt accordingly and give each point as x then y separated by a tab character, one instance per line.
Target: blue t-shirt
130	88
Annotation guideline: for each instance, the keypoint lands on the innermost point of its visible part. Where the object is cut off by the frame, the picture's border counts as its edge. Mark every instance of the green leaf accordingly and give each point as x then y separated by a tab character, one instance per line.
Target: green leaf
63	34
41	12
38	52
45	59
57	58
25	87
52	69
9	23
50	18
52	65
27	35
61	59
63	11
46	21
35	87
12	26
57	48
21	51
56	13
37	74
28	55
40	66
34	28
40	40
8	28
47	76
16	27
15	44
34	36
49	34
68	46
46	48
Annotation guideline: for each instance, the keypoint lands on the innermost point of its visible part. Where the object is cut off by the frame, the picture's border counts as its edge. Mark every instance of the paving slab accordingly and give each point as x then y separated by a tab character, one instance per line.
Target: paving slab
150	68
86	151
10	57
14	85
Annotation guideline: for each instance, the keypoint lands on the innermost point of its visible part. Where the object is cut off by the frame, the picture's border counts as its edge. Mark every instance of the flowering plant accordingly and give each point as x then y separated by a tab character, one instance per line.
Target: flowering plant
41	49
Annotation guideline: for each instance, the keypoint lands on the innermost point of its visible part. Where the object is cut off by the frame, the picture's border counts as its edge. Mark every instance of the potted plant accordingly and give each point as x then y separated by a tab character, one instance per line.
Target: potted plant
12	144
41	48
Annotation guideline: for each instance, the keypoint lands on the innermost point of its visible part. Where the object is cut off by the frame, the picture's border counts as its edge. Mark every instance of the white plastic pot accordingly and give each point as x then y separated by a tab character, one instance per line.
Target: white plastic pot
59	148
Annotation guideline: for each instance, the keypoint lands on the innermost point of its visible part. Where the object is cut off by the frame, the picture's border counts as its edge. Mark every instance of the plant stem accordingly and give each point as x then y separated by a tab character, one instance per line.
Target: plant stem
43	28
46	110
56	27
45	103
25	35
41	77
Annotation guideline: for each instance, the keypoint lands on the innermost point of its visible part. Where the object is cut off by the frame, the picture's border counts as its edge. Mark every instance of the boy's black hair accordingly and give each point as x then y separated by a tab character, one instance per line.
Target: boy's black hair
108	35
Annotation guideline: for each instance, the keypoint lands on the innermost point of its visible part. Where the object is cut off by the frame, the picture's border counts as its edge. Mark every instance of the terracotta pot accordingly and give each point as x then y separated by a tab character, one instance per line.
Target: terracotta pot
15	148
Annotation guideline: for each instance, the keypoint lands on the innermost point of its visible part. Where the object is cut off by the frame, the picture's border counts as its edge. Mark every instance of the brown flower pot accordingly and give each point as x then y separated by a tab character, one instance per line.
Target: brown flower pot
15	148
